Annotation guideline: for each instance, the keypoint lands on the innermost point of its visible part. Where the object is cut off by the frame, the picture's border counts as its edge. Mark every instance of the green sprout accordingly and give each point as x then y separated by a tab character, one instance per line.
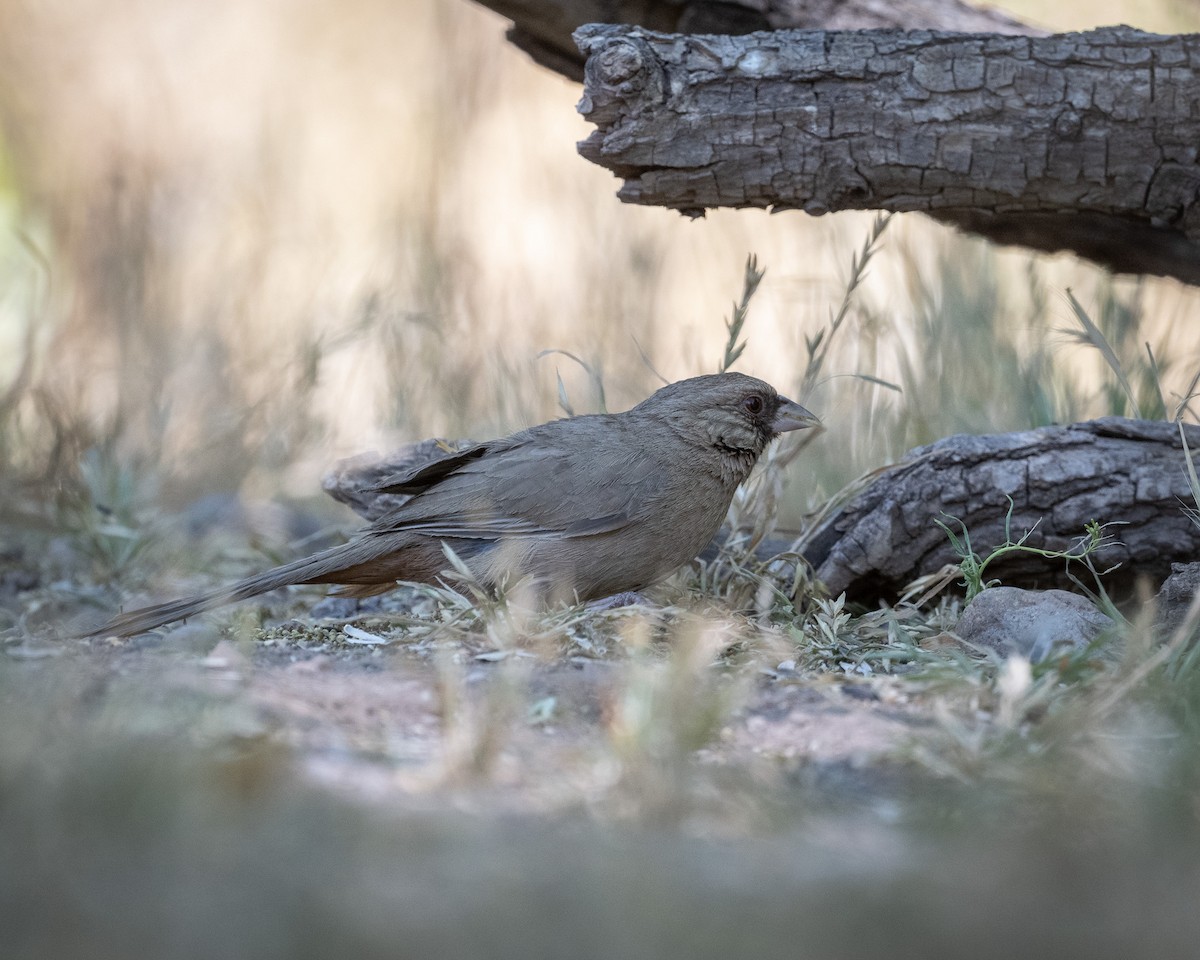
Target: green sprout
973	565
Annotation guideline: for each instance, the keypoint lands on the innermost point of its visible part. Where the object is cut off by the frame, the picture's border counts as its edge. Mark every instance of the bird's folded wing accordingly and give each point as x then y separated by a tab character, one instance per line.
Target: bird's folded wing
527	489
429	474
499	527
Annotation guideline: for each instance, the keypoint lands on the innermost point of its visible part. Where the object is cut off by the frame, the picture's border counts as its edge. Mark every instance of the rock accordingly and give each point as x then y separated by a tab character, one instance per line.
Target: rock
197	636
1176	595
344	608
1031	622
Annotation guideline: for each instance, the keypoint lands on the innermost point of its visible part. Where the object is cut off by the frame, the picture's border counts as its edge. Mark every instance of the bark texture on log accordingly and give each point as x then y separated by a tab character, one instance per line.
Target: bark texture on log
542	28
1085	142
1127	472
356	481
1130	473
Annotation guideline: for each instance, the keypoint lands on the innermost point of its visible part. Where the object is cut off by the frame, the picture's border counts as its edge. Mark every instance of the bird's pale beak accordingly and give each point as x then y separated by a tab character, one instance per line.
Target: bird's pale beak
792	416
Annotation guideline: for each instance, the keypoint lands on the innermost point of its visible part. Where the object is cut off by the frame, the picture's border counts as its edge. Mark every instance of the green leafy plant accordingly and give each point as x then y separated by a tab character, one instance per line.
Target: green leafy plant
108	514
974	565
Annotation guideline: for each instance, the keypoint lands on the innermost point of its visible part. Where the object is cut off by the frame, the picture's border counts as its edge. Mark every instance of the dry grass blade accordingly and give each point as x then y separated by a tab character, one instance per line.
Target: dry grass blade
23	378
1155	376
1193	480
647	363
1186	398
595	377
734	346
1123	687
1092	336
818	345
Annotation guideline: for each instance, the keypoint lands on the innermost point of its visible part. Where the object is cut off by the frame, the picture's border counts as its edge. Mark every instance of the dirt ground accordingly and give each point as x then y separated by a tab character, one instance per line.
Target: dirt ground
626	786
524	732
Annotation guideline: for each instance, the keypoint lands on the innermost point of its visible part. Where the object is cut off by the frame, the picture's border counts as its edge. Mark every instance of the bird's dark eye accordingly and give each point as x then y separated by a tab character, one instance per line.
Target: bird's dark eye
753	404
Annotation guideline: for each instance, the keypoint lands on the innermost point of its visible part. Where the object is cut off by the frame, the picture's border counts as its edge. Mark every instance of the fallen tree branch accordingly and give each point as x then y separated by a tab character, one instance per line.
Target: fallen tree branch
1083	142
543	28
1129	473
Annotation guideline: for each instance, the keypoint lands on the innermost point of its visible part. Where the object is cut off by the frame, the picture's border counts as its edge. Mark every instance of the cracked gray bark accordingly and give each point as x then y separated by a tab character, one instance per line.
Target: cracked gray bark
1083	142
542	28
1126	472
1130	473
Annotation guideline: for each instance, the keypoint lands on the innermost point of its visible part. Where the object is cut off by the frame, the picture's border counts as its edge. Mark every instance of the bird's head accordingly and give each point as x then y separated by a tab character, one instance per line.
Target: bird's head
735	414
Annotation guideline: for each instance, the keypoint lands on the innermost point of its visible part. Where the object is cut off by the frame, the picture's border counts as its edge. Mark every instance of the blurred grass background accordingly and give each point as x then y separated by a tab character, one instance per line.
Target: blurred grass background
239	241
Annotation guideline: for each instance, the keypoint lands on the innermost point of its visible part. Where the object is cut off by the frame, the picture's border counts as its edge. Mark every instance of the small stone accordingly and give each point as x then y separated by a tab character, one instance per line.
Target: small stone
334	608
1176	595
1032	623
195	636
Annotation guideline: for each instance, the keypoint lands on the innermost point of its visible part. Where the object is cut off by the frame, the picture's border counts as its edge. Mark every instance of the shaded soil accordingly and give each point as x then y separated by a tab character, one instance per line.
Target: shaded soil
528	733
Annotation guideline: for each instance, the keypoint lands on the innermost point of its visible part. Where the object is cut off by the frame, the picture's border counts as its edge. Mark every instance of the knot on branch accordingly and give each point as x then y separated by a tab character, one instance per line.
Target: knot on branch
1171	199
1068	125
621	63
620	69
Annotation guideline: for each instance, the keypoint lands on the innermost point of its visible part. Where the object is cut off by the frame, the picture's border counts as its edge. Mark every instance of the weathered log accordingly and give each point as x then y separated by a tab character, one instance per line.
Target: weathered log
356	480
1085	142
542	28
1129	473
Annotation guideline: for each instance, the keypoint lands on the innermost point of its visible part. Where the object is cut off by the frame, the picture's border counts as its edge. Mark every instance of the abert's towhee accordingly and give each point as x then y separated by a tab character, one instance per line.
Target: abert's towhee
584	507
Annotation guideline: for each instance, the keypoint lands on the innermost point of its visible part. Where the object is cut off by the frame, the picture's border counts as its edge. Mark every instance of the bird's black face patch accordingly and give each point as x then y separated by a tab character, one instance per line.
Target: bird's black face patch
744	428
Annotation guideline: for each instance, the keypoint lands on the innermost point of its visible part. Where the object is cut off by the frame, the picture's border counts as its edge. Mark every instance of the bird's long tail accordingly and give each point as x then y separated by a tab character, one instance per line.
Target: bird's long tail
321	567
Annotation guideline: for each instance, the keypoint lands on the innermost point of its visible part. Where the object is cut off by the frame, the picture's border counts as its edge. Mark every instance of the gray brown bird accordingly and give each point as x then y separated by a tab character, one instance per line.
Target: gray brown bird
583	508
